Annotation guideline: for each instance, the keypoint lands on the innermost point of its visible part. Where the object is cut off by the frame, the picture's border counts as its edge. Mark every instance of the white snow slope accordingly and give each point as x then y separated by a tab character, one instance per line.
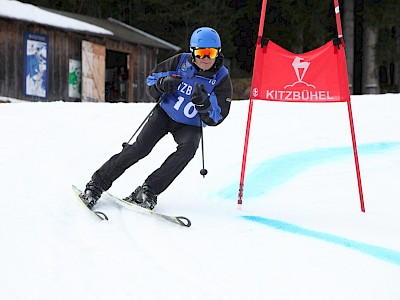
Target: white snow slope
300	234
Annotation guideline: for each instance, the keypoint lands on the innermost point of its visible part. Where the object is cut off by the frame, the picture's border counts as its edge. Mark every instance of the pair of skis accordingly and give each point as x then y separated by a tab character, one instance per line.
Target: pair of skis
183	221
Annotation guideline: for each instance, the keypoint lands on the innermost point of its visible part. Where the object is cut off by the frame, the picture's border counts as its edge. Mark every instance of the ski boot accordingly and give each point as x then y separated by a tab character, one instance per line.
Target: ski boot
143	196
91	194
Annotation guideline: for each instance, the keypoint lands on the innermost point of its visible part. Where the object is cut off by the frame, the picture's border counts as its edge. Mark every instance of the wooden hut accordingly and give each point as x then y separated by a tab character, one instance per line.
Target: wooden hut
75	58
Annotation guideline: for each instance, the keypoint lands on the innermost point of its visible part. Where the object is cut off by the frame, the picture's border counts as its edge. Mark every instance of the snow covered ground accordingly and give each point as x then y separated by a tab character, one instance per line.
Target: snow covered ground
300	233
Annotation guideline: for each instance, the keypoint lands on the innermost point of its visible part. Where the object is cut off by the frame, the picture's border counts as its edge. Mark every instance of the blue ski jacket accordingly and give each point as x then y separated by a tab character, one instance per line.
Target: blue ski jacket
178	106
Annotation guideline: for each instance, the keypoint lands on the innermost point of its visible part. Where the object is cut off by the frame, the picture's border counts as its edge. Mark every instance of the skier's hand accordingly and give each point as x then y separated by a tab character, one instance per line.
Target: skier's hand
200	98
168	84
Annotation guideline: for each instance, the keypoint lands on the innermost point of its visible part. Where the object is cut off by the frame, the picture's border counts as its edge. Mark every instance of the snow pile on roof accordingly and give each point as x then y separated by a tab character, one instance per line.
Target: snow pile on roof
18	10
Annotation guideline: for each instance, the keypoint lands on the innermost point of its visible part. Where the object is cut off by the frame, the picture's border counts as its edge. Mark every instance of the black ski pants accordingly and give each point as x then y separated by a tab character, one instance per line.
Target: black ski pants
158	125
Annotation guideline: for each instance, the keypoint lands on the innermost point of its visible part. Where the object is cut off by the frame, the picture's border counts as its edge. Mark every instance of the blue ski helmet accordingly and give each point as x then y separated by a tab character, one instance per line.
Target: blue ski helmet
205	37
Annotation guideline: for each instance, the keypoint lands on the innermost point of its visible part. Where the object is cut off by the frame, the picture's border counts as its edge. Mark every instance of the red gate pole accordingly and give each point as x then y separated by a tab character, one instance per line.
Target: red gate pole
353	138
246	145
353	135
338	21
246	140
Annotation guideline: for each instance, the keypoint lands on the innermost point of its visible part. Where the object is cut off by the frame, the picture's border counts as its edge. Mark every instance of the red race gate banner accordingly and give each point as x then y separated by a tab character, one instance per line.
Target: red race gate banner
316	76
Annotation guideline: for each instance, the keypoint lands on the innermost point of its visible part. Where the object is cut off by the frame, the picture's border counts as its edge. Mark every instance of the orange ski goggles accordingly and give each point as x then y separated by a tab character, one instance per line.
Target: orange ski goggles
203	52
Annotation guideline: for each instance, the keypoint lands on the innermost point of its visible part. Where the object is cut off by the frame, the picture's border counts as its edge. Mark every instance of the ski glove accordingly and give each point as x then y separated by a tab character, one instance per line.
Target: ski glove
168	84
200	98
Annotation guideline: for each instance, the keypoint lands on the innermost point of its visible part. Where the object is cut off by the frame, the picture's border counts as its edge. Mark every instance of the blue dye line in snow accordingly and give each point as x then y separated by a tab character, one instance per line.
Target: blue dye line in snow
388	255
274	172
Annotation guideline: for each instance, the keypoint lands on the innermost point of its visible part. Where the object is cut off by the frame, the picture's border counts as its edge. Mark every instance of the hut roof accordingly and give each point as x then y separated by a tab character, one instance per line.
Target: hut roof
81	23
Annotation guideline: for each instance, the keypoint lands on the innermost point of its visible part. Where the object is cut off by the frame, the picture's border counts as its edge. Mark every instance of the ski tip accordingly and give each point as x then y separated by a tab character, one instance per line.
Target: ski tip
101	215
184	221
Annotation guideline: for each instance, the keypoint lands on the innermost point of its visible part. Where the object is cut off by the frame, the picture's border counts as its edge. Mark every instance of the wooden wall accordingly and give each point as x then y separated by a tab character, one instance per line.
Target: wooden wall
64	45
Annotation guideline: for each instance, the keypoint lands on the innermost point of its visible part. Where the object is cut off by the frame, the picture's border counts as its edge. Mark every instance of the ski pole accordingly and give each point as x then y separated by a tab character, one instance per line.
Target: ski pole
144	121
203	171
141	125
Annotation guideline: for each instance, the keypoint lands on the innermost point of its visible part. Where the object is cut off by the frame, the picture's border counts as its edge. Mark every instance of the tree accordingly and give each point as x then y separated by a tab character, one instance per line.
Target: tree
382	16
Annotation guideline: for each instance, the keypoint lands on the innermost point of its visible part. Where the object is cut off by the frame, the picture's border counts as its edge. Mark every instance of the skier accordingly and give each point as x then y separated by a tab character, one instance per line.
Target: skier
192	89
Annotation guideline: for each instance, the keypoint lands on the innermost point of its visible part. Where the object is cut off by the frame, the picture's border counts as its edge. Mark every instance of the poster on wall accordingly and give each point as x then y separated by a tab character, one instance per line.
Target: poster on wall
75	79
35	71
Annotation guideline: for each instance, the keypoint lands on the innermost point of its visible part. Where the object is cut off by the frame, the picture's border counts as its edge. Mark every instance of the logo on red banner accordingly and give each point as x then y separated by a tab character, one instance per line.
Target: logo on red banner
300	68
